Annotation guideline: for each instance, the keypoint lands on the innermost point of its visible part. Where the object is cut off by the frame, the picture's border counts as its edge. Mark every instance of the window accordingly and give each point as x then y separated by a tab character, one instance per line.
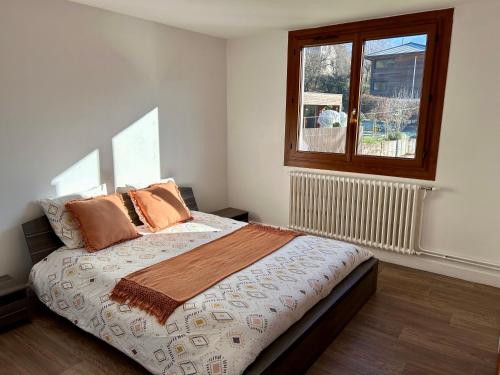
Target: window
384	63
377	85
367	96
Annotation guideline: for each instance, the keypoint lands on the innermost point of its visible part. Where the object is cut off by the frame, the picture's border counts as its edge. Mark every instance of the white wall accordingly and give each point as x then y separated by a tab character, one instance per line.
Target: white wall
462	218
72	77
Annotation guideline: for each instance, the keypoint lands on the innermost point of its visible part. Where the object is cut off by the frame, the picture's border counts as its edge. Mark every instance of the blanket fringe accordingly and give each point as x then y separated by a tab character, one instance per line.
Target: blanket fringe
154	303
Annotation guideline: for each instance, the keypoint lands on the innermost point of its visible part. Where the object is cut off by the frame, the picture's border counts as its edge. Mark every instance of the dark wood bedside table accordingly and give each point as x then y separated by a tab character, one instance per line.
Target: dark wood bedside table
232	213
13	301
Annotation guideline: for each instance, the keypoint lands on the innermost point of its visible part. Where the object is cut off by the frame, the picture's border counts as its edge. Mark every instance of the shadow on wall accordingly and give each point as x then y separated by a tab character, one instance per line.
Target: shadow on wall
136	152
136	159
83	175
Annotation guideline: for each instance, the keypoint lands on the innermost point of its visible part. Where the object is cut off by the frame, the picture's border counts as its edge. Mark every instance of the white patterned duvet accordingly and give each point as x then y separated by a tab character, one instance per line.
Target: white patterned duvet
220	331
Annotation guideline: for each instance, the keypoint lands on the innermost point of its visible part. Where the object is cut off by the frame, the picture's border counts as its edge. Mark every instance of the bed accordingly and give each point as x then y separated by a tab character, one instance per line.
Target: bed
275	316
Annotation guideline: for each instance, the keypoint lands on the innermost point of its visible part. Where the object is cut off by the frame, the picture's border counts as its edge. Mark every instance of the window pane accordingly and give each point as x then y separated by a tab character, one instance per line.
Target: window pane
391	85
325	97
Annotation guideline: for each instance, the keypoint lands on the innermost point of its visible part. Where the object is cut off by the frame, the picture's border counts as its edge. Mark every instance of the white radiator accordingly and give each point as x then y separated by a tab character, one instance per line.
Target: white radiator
374	213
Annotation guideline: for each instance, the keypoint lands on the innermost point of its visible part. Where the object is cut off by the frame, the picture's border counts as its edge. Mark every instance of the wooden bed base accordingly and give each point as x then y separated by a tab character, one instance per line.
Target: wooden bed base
296	349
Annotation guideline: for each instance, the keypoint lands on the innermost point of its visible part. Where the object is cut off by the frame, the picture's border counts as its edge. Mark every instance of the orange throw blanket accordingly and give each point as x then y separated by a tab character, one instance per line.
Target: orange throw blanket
159	289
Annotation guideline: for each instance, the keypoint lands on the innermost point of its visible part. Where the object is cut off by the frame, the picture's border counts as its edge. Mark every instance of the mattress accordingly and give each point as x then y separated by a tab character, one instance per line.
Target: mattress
220	331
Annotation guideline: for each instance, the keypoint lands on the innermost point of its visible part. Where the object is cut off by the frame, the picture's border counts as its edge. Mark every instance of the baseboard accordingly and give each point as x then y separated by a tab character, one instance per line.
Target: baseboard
441	266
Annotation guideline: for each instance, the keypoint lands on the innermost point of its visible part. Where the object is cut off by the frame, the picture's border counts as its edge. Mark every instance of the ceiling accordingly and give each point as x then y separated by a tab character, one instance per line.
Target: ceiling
238	18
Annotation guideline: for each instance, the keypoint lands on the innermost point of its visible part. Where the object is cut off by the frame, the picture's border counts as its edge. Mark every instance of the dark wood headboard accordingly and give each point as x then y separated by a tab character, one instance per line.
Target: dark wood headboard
188	196
42	240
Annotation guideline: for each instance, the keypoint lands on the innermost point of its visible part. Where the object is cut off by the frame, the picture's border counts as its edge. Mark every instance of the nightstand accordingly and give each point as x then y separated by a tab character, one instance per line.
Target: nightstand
13	301
232	213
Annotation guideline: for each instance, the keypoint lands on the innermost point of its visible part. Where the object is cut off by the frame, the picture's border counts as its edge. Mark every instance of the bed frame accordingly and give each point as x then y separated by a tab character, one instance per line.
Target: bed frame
296	349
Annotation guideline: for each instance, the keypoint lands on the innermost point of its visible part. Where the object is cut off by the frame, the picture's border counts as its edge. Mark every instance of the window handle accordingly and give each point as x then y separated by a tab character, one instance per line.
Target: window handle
354	118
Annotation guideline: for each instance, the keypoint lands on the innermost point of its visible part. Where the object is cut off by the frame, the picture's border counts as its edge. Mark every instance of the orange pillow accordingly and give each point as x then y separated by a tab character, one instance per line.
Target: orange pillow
103	220
160	205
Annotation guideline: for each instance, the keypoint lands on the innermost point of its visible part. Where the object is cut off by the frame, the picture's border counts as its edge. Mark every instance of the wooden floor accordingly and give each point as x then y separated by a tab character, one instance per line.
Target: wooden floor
417	323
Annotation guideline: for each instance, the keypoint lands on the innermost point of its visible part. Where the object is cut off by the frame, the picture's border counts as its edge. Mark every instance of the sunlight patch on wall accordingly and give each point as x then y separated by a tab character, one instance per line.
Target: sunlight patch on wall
82	175
136	152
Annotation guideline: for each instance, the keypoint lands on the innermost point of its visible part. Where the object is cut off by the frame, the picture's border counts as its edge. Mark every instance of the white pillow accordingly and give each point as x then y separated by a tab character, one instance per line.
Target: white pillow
62	221
127	187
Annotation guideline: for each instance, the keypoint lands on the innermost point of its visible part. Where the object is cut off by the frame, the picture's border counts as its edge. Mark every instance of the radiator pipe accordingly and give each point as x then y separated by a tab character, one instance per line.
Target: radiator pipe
427	188
418	248
421	251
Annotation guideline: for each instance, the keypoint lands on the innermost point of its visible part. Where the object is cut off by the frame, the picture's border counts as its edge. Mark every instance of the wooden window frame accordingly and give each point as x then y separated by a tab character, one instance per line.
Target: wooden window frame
437	25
